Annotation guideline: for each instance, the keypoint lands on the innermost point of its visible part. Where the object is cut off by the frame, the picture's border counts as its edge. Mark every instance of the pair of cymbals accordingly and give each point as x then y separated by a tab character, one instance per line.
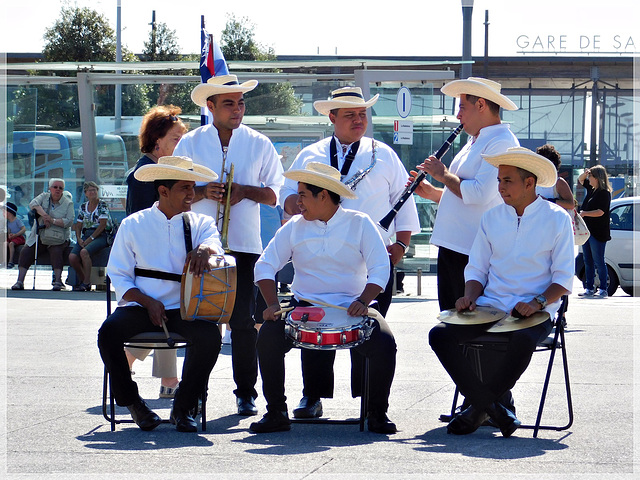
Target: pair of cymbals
481	315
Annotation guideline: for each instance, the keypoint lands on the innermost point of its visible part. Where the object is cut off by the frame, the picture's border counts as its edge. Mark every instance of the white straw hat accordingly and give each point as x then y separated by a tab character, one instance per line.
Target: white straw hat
175	168
521	157
346	97
479	87
219	85
323	176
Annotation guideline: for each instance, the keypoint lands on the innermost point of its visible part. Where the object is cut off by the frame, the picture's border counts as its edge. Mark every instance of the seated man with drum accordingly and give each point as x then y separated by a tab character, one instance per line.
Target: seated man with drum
521	262
148	255
341	262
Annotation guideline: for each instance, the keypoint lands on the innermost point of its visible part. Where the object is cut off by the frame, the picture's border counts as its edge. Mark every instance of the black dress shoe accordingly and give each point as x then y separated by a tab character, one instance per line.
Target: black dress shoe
272	422
467	421
143	415
182	419
504	418
379	423
308	408
246	406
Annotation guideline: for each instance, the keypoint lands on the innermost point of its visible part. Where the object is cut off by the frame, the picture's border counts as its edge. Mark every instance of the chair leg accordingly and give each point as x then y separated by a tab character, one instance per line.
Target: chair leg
106	391
364	397
559	334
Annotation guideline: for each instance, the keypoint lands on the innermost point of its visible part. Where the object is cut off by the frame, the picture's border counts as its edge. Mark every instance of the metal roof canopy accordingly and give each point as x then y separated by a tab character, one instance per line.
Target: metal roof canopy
233	65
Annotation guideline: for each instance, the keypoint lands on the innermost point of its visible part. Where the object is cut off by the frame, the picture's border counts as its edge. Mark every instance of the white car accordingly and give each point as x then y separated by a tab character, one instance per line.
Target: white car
619	253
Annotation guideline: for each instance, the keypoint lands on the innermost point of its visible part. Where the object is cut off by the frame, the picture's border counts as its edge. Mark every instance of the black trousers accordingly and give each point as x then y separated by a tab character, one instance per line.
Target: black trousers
317	365
446	339
380	349
200	357
244	359
450	277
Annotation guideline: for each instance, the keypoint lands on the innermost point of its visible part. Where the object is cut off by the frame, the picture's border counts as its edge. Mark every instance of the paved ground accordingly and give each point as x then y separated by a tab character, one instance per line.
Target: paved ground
53	427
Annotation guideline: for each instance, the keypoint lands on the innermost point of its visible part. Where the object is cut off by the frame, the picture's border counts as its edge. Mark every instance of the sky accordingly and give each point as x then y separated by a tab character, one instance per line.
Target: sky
411	27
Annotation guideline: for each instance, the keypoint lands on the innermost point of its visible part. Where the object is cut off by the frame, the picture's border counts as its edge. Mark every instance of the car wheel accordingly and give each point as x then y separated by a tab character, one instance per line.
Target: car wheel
612	281
633	291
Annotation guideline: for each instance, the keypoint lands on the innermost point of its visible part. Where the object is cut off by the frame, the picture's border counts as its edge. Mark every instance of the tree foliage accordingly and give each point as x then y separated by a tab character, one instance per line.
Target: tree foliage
162	46
83	35
237	42
80	35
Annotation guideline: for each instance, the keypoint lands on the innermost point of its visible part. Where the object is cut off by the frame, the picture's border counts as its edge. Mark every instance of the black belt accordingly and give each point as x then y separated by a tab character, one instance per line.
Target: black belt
143	272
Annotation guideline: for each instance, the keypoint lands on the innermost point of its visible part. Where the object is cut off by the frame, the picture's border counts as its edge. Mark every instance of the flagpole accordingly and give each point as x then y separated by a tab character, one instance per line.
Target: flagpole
203	116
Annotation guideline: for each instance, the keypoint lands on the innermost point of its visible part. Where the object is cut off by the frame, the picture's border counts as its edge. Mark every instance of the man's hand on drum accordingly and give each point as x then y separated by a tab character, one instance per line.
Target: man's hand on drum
199	260
465	303
269	313
357	309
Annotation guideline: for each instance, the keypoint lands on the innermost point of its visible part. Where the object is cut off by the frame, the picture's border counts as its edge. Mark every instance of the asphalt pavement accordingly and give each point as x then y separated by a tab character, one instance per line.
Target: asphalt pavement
52	424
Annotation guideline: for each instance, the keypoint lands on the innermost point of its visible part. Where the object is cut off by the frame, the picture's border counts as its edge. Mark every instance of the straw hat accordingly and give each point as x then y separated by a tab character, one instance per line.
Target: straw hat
346	97
219	85
527	160
323	176
479	87
175	168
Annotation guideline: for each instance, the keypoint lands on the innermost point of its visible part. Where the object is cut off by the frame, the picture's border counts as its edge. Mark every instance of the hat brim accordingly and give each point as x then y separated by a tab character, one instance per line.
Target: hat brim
149	173
324	107
322	181
203	91
542	168
478	89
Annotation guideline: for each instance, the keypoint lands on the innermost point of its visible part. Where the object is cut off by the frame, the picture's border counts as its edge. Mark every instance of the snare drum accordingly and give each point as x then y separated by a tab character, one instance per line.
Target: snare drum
328	328
212	296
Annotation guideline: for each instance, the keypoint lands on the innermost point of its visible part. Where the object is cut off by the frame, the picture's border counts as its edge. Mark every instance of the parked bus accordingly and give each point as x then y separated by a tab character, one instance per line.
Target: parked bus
35	157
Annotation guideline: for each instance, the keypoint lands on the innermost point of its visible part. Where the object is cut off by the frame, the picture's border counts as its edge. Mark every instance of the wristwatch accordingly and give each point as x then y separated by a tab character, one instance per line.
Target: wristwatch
542	300
403	245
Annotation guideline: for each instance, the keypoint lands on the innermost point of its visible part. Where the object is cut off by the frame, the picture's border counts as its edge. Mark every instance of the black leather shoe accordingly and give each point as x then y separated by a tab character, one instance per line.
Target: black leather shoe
504	418
308	408
272	422
182	419
380	423
467	421
143	415
246	406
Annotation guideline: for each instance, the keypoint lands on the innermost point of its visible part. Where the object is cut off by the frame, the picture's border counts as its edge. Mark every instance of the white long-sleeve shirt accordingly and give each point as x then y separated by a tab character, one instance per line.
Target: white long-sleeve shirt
457	219
517	259
256	163
148	239
333	260
377	192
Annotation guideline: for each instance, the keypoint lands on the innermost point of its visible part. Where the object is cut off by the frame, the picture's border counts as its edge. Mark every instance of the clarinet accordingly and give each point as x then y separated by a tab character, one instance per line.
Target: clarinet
408	191
353	182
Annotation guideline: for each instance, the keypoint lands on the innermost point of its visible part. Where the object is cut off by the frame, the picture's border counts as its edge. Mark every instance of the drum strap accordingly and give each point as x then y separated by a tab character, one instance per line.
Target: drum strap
174	277
143	272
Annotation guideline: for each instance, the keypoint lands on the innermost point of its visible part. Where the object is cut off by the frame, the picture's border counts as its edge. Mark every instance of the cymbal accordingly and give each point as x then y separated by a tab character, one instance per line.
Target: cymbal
476	317
511	324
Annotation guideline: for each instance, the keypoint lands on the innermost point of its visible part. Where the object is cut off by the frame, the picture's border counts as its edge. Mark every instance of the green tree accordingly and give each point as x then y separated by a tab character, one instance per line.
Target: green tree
237	42
83	35
80	35
162	46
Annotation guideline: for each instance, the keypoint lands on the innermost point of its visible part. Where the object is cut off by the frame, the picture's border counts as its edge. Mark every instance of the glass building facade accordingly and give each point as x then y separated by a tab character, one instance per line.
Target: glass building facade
67	126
